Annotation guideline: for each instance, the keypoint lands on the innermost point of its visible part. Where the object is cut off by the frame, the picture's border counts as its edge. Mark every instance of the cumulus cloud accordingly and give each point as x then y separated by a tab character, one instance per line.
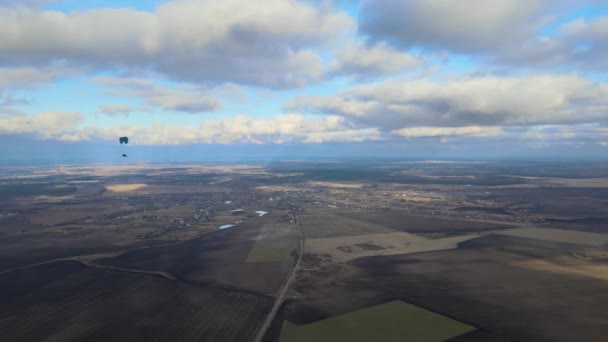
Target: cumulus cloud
363	62
202	41
463	26
281	129
182	99
470	101
243	129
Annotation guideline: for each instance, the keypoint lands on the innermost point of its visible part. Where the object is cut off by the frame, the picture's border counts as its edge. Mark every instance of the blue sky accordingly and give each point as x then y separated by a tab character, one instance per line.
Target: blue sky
454	78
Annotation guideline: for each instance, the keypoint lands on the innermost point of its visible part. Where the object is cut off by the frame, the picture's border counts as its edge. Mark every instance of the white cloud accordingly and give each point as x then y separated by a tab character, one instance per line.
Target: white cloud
201	41
469	101
278	130
239	129
464	26
362	61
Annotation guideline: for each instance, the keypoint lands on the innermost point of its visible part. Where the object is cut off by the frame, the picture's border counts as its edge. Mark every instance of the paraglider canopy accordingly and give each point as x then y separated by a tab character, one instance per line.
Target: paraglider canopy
123	140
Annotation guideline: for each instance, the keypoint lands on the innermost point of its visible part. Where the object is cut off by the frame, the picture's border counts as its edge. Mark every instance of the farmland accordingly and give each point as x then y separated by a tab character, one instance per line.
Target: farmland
394	321
353	247
269	254
326	223
538	279
514	251
67	301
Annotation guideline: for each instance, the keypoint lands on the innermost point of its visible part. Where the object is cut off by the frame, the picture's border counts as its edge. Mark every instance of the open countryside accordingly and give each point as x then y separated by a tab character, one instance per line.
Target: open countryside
301	258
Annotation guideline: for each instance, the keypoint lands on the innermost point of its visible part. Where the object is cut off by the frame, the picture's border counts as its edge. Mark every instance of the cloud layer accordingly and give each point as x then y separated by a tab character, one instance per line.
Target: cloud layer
188	99
463	26
308	72
187	40
469	101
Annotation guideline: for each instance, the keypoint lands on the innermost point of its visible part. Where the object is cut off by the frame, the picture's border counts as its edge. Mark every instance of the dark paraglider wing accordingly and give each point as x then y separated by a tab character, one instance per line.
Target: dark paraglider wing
124	140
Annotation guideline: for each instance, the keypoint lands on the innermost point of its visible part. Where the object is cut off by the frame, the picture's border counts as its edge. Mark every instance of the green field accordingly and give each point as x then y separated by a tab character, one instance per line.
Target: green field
393	321
268	254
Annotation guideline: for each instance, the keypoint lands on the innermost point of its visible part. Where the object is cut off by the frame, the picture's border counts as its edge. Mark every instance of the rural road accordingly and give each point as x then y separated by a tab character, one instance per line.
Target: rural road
279	299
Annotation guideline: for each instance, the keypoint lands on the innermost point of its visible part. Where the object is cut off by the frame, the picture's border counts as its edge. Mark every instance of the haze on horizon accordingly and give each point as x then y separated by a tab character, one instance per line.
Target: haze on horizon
198	79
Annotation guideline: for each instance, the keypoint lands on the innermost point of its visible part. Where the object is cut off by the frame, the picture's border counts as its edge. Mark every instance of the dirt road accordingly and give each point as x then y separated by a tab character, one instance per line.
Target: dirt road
281	296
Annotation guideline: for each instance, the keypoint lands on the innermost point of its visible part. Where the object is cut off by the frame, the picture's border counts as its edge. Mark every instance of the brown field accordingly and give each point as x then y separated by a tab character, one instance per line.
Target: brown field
352	247
65	301
558	202
510	288
217	258
25	249
420	224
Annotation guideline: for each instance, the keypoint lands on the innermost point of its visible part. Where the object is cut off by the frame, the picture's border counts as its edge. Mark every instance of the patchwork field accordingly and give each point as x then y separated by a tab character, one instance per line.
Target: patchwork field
510	288
394	321
392	251
352	247
65	301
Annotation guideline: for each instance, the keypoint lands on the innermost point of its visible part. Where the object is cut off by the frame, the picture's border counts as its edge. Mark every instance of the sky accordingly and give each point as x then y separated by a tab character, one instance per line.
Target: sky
295	79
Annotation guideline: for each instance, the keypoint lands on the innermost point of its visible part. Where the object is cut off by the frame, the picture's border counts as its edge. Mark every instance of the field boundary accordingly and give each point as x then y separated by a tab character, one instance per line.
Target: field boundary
279	299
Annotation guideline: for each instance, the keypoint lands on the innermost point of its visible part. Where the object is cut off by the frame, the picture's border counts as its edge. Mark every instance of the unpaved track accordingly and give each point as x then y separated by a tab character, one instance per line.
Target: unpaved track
279	299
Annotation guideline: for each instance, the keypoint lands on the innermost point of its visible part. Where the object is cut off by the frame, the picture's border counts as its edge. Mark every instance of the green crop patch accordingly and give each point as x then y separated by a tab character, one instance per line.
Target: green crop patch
269	254
393	321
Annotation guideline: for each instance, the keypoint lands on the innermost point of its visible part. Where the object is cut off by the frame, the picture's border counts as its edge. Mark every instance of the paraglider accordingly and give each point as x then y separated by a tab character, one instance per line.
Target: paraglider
123	140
